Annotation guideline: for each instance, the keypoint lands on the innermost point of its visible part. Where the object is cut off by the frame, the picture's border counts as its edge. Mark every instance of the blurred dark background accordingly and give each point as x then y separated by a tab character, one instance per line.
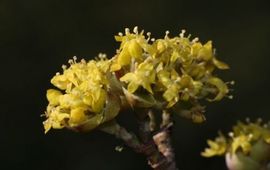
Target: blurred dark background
37	37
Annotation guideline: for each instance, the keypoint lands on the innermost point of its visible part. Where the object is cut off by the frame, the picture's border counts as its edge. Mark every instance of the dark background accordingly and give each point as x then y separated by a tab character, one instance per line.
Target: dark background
38	36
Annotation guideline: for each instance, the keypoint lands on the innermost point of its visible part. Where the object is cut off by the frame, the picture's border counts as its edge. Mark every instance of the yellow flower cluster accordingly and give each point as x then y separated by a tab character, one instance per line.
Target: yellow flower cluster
179	68
82	95
161	72
244	138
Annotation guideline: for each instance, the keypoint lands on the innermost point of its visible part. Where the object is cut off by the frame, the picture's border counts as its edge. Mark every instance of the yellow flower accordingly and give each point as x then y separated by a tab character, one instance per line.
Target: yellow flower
241	142
175	84
217	147
221	87
132	46
143	76
203	52
248	139
56	119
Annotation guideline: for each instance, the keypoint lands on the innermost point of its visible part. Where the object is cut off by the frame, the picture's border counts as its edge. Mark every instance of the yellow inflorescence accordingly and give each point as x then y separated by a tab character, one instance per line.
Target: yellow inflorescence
178	67
242	139
84	90
169	70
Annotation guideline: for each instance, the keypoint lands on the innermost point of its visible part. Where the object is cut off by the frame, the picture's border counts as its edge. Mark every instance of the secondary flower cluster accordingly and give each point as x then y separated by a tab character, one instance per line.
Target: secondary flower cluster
84	85
179	68
164	72
243	139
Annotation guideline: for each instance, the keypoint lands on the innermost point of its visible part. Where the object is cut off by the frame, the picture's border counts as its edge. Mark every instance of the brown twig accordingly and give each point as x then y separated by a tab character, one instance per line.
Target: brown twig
157	148
161	156
163	141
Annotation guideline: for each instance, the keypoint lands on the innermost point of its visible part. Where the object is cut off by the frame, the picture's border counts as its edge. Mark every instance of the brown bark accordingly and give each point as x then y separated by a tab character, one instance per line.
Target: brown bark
156	147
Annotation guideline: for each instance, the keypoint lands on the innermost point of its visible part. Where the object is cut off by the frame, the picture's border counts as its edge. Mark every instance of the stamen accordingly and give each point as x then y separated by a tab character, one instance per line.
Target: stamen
135	29
148	36
147	73
64	67
259	120
230	96
120	34
70	61
153	39
127	31
75	59
182	34
250	136
196	39
166	34
231	134
83	61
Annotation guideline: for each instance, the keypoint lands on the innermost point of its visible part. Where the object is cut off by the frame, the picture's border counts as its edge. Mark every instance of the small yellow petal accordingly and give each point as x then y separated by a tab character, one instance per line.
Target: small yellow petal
219	64
221	87
77	115
135	49
128	77
98	104
132	86
60	81
206	52
53	96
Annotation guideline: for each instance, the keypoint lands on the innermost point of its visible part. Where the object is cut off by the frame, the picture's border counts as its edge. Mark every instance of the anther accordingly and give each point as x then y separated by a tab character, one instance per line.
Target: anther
196	39
120	34
259	120
231	134
70	61
250	136
64	67
178	79
230	96
147	73
148	36
83	61
127	31
182	33
75	58
135	29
